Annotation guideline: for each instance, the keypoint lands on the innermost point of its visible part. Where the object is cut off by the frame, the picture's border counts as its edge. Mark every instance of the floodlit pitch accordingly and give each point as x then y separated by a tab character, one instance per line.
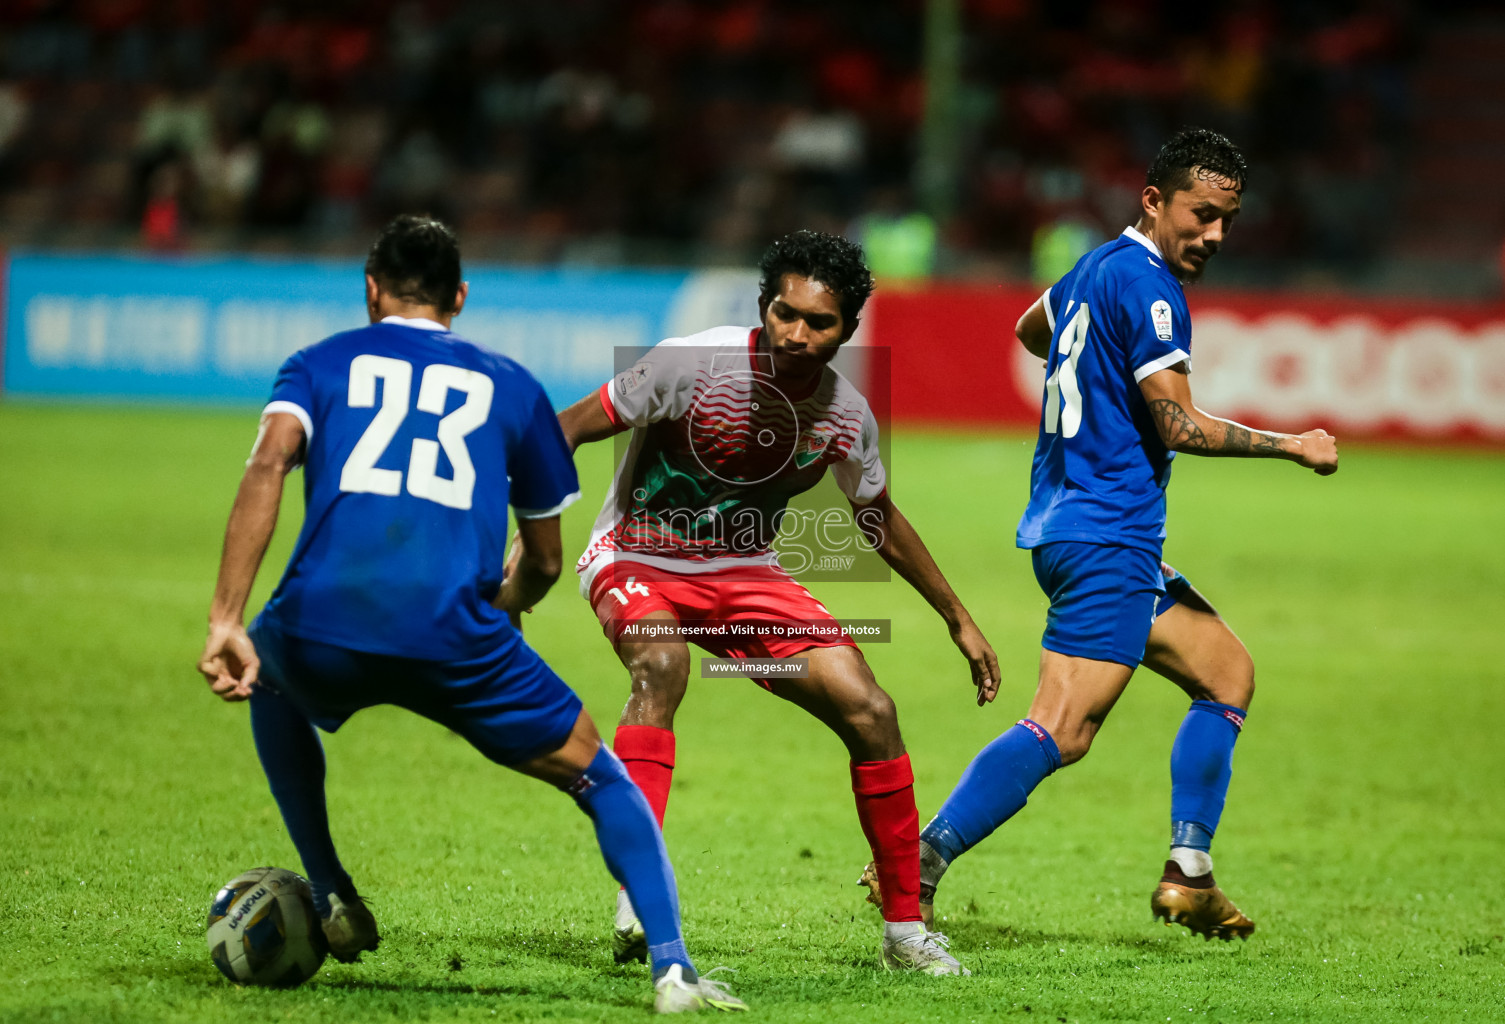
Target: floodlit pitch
1366	832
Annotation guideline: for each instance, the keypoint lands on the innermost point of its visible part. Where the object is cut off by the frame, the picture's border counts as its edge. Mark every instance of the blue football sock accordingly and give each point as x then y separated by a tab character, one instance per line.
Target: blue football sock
994	788
635	855
293	760
1201	766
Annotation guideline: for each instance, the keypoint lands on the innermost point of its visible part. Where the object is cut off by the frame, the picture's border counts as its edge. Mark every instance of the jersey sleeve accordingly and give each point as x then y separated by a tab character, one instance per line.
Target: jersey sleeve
1054	298
861	475
660	386
292	393
1050	311
539	464
1156	325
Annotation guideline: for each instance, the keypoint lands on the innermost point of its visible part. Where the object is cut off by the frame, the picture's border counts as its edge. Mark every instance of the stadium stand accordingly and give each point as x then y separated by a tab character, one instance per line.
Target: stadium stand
663	131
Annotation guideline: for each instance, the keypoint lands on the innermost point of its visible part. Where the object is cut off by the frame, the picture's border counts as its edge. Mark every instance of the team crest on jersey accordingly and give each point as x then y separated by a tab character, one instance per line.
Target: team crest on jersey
628	380
1160	316
811	446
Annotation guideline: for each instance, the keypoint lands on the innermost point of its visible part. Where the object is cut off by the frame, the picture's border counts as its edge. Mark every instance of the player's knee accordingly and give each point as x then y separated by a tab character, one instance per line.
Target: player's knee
1073	746
1073	737
660	674
872	713
1234	683
660	668
1245	689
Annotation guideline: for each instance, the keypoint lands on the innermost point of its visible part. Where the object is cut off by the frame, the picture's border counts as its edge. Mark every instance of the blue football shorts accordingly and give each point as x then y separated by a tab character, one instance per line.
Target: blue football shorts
1176	587
508	703
1103	599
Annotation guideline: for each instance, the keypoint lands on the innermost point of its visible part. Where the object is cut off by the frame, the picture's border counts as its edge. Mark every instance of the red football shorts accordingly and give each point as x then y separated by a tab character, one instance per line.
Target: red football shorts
732	613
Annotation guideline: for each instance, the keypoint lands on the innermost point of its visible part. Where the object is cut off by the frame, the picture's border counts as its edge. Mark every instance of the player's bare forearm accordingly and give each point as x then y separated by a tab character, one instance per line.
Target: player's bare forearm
1196	432
1033	329
229	662
1185	428
253	518
586	421
897	543
536	562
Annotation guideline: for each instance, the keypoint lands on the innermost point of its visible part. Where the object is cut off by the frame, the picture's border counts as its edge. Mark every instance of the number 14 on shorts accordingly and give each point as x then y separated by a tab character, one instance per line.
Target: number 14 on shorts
632	586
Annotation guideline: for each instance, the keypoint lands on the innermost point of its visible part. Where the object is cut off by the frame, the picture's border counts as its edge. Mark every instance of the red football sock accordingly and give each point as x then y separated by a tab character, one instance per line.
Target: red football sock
648	753
886	808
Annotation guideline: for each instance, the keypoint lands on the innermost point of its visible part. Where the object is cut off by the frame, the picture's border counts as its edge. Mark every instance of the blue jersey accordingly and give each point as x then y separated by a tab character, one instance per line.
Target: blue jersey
1100	468
417	442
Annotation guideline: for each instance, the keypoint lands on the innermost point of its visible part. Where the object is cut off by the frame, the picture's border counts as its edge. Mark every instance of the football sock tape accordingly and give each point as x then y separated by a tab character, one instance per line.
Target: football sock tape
1194	864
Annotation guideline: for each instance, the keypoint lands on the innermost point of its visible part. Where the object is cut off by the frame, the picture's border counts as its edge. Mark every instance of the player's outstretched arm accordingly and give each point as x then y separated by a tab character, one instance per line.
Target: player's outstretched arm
900	546
532	567
229	661
1185	428
586	421
1033	329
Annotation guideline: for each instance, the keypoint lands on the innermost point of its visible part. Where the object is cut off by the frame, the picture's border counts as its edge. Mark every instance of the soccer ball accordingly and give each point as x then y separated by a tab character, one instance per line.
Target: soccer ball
262	929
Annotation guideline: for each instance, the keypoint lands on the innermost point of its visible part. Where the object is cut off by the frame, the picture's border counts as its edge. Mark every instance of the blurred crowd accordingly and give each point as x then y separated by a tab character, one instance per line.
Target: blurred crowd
673	131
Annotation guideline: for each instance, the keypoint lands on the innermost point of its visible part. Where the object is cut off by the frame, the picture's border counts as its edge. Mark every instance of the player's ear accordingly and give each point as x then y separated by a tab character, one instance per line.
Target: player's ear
1150	200
460	297
373	294
849	328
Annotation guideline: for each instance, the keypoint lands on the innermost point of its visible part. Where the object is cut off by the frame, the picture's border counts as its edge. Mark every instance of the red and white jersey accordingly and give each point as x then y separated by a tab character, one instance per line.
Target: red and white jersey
718	448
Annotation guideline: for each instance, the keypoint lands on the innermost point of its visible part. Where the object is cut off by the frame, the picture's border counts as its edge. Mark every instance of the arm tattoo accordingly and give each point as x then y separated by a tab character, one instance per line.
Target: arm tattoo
1239	440
1181	433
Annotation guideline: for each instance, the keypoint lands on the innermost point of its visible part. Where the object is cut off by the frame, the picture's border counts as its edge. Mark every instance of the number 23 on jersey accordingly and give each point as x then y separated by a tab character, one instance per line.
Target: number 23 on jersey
360	475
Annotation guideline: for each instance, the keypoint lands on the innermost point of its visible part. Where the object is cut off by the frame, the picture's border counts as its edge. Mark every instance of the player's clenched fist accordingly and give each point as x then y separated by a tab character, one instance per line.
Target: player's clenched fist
1319	452
229	662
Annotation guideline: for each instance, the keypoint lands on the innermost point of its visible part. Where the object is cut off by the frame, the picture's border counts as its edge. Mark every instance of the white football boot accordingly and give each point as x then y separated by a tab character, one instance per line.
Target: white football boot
908	946
673	994
350	928
628	941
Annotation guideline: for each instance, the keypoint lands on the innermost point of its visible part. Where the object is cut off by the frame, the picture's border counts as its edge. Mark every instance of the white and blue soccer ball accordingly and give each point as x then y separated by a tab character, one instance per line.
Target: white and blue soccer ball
262	929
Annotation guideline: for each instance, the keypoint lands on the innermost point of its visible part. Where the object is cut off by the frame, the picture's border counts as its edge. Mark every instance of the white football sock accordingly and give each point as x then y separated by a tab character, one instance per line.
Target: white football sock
895	930
1192	862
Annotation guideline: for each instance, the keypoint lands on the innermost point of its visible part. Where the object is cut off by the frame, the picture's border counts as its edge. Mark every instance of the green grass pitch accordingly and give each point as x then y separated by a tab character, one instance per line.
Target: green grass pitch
1365	829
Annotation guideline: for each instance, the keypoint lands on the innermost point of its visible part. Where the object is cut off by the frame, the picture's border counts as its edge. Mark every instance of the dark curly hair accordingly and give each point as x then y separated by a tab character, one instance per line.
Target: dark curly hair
1199	148
417	258
835	262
